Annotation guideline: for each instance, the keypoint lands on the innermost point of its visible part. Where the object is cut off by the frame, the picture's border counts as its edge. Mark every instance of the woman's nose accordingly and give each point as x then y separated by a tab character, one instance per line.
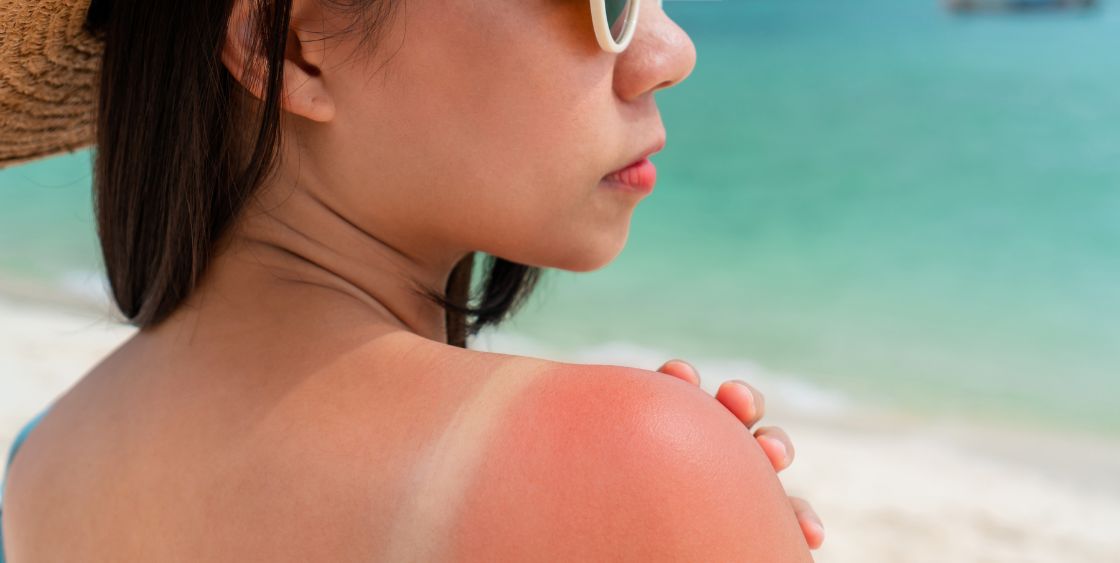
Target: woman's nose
660	55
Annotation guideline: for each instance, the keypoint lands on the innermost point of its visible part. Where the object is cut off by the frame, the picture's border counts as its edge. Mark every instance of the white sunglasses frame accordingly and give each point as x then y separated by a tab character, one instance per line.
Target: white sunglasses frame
603	27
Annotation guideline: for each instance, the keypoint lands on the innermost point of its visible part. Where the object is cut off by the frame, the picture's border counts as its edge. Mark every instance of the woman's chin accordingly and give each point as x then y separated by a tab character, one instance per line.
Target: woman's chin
589	259
565	253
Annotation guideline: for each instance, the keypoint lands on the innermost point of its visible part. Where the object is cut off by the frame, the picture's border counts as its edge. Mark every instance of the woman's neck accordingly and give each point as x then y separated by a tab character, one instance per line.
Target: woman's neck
292	253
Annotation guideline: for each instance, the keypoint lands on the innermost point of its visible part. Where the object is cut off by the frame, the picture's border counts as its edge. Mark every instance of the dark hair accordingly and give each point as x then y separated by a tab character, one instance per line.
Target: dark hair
172	173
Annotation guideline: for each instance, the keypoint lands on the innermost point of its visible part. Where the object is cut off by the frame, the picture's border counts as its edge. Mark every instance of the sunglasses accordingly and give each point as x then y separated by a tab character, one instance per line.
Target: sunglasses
615	21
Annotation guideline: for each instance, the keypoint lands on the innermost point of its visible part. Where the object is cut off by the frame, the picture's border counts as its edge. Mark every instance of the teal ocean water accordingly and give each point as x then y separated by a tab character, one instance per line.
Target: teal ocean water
874	198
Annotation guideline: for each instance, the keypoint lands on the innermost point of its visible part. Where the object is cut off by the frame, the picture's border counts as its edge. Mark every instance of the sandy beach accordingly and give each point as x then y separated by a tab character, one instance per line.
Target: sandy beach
889	488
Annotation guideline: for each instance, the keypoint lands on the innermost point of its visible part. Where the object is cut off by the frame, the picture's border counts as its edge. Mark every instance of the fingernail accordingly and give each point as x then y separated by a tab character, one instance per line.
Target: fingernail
750	397
781	447
818	528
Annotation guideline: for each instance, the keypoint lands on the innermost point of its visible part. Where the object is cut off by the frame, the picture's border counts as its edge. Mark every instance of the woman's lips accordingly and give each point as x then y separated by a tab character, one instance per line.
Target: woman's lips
639	177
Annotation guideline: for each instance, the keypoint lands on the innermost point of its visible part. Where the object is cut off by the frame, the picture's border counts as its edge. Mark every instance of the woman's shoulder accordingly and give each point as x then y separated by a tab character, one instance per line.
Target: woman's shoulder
492	454
600	461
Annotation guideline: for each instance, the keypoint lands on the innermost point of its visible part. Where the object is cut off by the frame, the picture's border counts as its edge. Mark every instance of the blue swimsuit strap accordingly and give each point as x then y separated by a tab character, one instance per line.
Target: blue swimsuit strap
11	455
19	442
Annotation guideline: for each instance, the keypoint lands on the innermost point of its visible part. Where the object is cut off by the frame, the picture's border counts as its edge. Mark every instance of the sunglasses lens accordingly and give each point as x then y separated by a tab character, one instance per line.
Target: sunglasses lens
618	14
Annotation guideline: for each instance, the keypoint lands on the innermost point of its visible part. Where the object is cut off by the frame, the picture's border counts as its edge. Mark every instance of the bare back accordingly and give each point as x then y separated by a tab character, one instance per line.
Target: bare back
378	453
254	462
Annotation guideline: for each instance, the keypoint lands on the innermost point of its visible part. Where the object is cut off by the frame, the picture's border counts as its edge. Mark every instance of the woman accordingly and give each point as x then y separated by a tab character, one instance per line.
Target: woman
290	197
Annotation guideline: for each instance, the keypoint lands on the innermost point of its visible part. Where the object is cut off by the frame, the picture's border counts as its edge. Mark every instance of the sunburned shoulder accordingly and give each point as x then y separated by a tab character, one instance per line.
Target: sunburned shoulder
599	462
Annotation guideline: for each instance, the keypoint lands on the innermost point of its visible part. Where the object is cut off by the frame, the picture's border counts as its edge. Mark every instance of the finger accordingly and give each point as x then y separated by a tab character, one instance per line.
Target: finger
744	401
777	445
681	370
810	522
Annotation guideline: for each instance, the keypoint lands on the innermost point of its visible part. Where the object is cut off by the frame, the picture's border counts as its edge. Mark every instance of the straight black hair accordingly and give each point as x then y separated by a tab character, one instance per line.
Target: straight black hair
172	172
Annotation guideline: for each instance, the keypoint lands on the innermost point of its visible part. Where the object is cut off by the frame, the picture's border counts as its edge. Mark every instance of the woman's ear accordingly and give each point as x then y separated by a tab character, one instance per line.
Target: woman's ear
304	90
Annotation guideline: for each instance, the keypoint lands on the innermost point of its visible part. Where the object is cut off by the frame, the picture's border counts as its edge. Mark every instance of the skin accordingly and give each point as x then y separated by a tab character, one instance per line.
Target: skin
748	404
664	474
304	336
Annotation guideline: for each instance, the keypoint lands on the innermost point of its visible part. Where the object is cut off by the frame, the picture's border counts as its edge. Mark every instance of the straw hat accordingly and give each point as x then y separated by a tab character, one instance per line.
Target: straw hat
48	65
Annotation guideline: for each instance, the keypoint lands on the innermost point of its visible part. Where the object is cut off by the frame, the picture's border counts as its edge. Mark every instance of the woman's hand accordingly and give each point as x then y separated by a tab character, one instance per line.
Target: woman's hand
748	405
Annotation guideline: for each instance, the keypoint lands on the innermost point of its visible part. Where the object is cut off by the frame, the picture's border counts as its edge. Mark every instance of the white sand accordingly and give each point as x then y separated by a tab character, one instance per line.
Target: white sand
889	489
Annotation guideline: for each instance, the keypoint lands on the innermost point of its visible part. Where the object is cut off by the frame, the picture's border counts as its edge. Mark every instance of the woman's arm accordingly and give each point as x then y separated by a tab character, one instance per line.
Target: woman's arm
601	463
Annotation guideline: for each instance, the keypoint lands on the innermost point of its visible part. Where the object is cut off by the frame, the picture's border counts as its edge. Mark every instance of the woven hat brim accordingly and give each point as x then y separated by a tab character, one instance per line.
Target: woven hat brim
48	74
